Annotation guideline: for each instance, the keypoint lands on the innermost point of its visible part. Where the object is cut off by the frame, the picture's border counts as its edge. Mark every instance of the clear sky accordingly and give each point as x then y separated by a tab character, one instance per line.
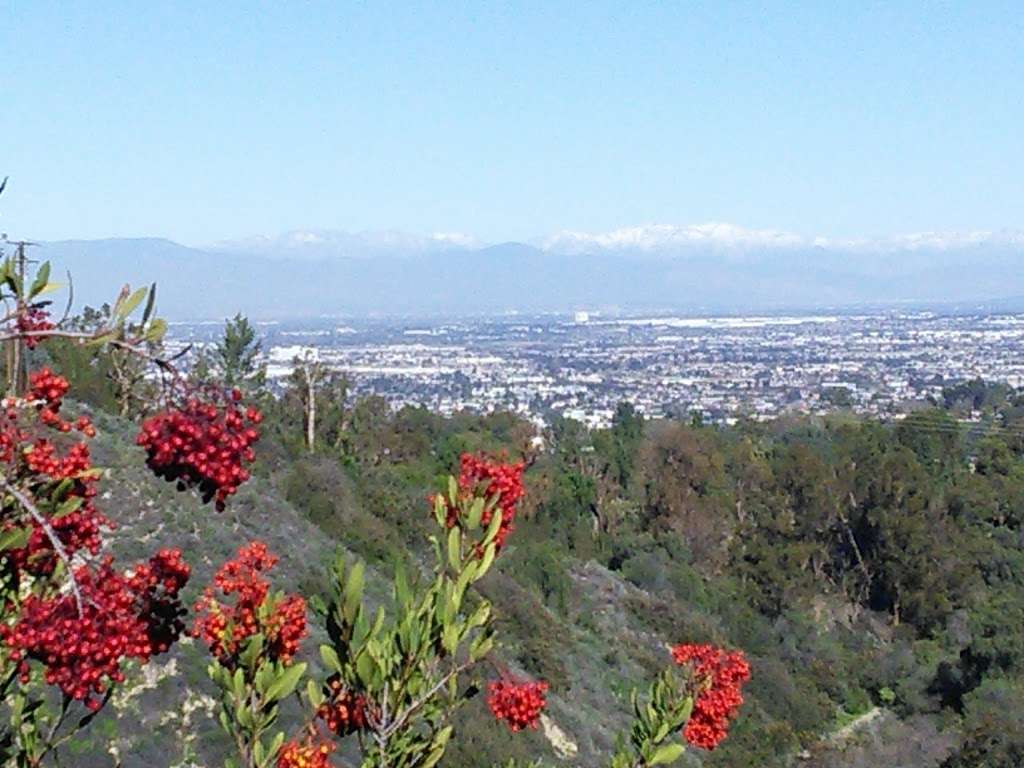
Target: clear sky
202	121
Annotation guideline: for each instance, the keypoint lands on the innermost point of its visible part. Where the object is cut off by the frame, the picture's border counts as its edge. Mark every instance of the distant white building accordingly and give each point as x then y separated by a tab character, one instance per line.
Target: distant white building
581	317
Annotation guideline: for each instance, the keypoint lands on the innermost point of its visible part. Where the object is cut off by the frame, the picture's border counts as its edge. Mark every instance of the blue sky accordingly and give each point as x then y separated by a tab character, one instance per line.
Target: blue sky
205	121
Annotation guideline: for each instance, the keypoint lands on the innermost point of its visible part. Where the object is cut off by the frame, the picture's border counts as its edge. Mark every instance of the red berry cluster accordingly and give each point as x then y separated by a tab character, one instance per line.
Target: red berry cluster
48	387
718	676
343	712
135	614
38	462
309	753
224	627
480	475
203	444
31	321
517	703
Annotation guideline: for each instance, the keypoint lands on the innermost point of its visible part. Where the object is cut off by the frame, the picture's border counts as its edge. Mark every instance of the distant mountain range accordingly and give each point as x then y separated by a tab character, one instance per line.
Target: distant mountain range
703	268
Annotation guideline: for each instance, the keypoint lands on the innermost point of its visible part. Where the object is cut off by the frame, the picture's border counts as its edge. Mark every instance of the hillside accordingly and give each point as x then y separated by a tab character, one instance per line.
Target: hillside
634	538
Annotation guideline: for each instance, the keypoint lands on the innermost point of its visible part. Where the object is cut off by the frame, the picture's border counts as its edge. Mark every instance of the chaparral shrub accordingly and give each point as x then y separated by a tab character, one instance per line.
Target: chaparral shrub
393	677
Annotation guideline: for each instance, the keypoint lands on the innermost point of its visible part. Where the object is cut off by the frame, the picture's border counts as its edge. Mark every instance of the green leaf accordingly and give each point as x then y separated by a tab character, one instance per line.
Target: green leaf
103	338
481	646
440	510
275	745
157	329
122	310
402	594
150	303
437	747
253	649
353	591
493	526
366	669
15	538
330	657
68	506
314	694
285	685
486	561
667	753
450	638
476	512
480	615
463	581
455	548
42	278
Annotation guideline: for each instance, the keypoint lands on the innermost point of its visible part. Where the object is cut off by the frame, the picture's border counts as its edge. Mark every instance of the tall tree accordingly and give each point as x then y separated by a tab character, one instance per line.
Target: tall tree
236	357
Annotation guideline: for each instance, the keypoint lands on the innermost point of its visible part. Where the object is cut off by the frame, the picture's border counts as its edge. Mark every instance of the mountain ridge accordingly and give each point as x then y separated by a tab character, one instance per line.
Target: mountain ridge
419	278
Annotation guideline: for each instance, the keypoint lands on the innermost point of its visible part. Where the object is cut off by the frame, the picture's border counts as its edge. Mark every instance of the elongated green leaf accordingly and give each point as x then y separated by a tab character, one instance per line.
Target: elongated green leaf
330	657
150	303
493	526
667	753
42	278
128	306
15	538
440	509
481	646
486	561
68	506
476	511
353	591
285	685
314	694
455	548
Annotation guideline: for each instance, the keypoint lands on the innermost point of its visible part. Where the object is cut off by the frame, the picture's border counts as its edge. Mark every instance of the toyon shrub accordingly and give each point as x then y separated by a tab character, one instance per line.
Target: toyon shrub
481	477
717	677
74	620
253	635
396	676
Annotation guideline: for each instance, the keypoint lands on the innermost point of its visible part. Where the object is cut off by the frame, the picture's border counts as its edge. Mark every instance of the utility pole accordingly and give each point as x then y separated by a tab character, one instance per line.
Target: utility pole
17	372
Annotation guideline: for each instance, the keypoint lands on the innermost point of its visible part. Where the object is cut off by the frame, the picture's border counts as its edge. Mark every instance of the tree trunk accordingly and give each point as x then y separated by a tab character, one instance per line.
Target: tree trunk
310	408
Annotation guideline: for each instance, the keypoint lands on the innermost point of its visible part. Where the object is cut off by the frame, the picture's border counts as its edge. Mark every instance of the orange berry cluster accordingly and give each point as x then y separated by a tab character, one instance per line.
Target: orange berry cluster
309	753
480	475
204	444
343	712
225	626
718	676
516	702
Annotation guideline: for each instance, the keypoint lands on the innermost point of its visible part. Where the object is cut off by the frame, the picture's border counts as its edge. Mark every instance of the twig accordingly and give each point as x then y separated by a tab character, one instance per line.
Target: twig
58	545
416	705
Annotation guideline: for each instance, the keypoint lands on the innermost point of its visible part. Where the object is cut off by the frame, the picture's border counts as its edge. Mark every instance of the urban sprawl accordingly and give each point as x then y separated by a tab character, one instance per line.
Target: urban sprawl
720	368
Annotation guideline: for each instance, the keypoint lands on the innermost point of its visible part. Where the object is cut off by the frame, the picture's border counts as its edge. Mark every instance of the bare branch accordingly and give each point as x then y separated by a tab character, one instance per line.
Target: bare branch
58	546
83	337
399	721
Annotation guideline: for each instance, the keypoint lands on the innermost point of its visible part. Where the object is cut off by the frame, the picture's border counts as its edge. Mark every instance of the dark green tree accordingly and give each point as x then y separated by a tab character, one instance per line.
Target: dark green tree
235	360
